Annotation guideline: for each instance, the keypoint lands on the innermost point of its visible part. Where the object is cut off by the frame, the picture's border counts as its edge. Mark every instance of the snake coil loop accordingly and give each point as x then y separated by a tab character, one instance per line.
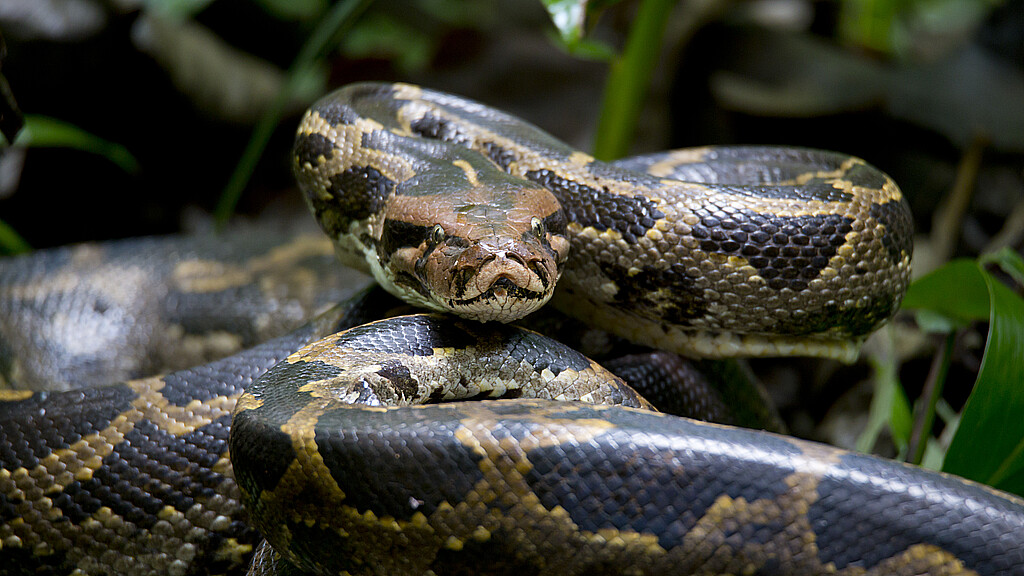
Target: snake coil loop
341	442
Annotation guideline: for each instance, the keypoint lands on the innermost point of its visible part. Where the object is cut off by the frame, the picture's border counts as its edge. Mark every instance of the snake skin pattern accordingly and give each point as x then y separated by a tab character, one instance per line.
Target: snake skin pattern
341	456
552	487
781	252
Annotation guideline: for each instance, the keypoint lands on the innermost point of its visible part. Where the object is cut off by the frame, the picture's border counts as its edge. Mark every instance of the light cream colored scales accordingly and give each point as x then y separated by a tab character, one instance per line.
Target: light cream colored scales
712	252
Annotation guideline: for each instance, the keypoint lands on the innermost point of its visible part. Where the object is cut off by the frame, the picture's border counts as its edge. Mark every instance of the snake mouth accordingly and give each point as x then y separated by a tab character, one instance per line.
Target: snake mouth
504	301
498	281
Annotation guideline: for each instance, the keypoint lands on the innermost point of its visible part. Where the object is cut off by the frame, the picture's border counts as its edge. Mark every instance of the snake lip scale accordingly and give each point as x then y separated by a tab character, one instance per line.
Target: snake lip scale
346	446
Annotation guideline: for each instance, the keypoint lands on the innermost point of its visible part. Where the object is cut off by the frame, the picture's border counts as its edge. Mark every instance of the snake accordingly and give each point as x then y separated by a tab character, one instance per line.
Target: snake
343	448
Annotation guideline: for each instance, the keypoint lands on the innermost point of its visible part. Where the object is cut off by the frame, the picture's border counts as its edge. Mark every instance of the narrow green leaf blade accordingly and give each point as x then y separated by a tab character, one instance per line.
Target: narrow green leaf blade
1010	261
889	405
989	444
45	131
956	290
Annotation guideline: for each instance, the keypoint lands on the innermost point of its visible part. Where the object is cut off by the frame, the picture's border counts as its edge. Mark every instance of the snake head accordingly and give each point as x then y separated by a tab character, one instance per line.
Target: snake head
483	253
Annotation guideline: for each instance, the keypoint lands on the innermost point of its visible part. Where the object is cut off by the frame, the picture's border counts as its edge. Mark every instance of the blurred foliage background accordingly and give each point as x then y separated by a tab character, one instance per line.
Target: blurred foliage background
150	117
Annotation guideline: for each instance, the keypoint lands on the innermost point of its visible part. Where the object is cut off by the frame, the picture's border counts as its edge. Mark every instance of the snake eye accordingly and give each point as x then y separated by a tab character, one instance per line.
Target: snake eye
538	226
437	234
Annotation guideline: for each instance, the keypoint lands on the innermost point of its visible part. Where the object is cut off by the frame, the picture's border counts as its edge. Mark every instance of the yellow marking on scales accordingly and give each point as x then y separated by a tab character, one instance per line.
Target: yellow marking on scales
14	395
674	159
471	173
580	158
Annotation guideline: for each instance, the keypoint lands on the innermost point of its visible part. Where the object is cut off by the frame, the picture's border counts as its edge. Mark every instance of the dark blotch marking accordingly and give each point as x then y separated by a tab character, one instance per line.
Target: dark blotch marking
309	148
412	335
397	234
587	206
400	377
260	453
864	523
364	450
335	112
898	241
631	479
670	291
856	321
33	428
500	156
434	127
554	223
354	194
788	252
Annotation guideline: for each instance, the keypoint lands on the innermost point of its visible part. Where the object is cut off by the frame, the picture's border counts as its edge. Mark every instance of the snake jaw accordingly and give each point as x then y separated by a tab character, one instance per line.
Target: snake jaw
501	280
491	280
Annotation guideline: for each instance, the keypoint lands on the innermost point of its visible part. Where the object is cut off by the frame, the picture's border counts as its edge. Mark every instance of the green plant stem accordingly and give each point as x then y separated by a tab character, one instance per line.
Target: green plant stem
629	78
323	36
889	405
925	410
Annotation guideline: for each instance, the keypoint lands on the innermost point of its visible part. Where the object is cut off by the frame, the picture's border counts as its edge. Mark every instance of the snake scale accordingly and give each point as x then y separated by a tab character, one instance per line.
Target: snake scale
344	450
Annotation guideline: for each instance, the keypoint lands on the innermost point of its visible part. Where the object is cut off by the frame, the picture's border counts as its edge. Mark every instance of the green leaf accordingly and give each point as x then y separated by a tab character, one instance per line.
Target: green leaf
989	444
11	242
588	49
326	34
957	290
868	22
43	131
380	35
176	9
294	9
628	79
568	16
889	405
1010	261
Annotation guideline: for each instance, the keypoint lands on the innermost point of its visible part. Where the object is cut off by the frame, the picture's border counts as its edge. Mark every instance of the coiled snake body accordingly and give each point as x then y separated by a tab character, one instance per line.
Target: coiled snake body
346	462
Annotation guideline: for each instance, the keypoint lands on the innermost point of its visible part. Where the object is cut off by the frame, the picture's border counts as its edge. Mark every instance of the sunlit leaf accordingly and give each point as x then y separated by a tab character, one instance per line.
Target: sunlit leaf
568	17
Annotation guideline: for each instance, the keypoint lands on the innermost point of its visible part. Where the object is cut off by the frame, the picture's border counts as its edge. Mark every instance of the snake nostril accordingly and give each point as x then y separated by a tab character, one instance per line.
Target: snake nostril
516	258
539	271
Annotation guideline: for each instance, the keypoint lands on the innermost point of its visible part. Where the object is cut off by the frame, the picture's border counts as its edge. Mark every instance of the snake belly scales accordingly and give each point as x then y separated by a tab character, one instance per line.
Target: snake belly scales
344	453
